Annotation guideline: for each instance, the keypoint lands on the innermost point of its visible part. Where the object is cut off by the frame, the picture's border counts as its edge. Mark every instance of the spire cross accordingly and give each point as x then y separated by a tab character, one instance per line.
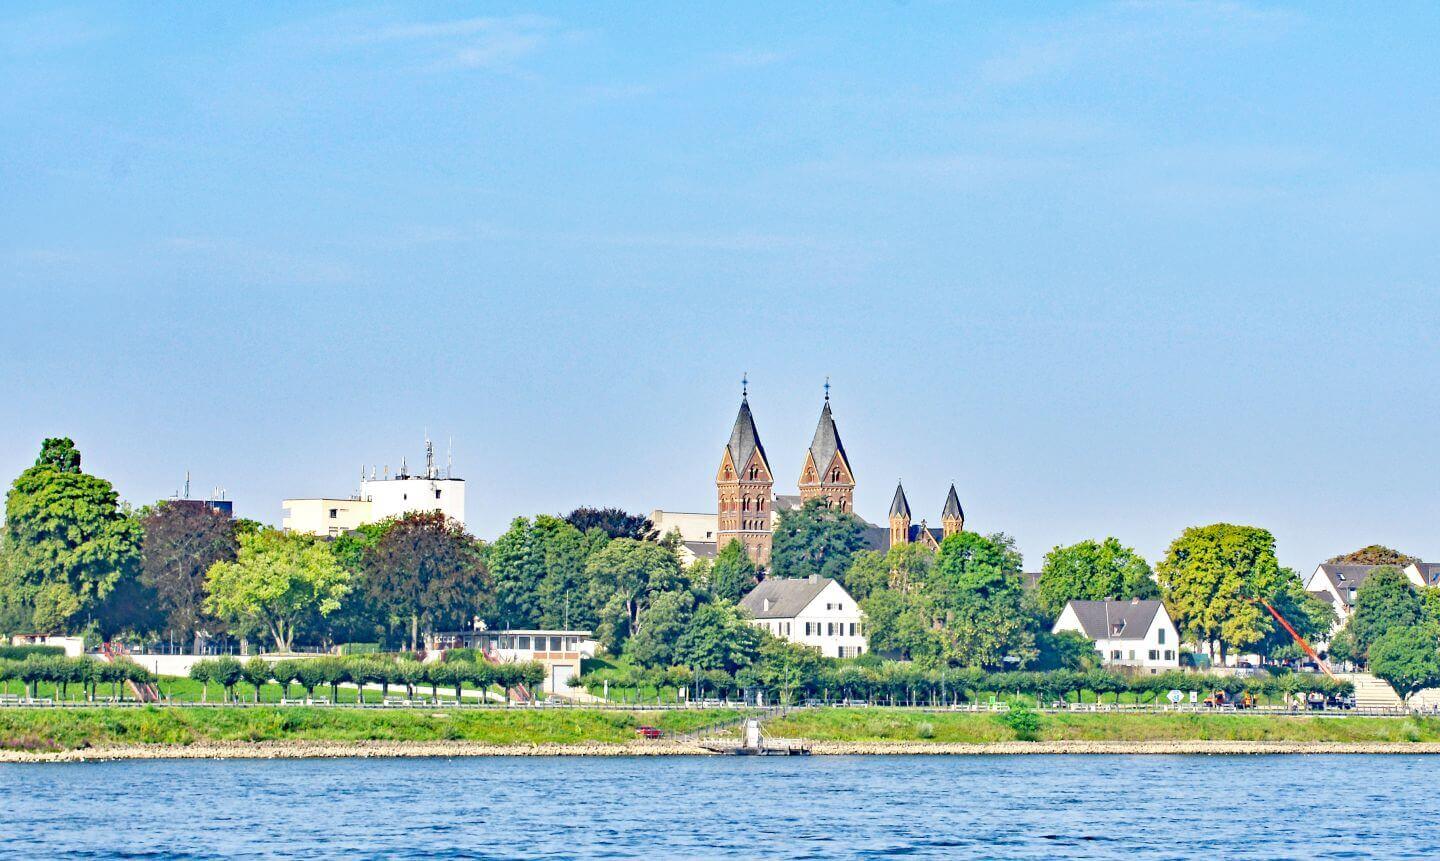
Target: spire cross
827	388
745	385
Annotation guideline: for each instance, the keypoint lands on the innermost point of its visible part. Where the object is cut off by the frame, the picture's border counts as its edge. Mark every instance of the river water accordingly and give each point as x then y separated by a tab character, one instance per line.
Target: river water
1135	807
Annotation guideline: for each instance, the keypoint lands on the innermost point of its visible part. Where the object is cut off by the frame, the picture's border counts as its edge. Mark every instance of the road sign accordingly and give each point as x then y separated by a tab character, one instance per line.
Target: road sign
1175	697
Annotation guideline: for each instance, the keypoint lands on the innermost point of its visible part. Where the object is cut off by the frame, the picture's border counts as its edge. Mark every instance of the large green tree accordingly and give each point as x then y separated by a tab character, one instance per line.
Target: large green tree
977	592
67	542
1408	657
540	575
817	539
426	569
277	578
1092	571
183	538
625	577
732	574
1386	600
661	626
1211	578
718	637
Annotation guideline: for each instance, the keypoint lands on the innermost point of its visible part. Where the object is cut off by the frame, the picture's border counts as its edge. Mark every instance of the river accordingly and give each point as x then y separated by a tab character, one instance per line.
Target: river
1134	807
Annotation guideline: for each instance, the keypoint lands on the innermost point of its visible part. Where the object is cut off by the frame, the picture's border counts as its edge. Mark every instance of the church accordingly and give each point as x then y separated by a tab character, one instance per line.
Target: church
749	509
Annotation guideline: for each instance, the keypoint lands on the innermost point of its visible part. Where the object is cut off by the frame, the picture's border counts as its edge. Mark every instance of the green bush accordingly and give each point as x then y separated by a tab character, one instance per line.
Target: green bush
20	653
1022	721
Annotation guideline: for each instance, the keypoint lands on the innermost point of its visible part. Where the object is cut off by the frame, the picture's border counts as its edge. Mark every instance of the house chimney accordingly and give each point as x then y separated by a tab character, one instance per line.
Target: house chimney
814	578
767	605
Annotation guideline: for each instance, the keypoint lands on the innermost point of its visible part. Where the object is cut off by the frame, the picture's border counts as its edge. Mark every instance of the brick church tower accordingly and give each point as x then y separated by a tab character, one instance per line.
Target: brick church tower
746	489
953	517
826	474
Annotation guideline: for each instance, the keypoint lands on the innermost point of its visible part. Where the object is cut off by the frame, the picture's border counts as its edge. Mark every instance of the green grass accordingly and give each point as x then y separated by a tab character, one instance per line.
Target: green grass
76	728
882	724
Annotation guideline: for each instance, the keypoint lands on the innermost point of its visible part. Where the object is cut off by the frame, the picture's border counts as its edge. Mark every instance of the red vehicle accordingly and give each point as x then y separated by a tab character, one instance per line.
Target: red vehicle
647	732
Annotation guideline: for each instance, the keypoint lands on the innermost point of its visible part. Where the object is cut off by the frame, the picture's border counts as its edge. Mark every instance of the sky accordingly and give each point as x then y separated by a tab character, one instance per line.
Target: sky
1112	268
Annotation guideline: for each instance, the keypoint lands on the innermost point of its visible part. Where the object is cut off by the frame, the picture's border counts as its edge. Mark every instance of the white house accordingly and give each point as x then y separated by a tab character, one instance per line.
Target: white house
814	611
1338	582
1132	633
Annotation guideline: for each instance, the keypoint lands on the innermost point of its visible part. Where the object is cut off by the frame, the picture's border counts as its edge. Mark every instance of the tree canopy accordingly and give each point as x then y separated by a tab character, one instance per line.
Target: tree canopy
275	580
1385	601
625	578
1092	571
1408	657
183	538
425	568
732	574
1211	577
614	522
817	539
67	543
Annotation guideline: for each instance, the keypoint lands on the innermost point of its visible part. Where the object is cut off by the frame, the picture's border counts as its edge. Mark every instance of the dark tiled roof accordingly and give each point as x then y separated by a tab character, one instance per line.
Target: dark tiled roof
787	502
1429	572
877	538
745	439
703	549
1128	620
952	506
899	506
826	443
786	597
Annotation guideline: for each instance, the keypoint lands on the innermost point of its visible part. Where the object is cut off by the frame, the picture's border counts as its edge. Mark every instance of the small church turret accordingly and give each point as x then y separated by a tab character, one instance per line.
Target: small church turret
953	517
899	518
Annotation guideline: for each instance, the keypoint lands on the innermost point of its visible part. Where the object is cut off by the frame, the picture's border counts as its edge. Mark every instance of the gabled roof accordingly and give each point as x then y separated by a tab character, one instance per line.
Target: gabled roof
1429	572
703	549
899	506
952	511
826	443
745	439
1127	620
1344	576
787	598
788	502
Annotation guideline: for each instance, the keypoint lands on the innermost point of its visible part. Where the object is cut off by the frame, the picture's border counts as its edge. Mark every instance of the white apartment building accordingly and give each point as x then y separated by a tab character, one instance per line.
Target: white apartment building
1134	633
814	611
1339	582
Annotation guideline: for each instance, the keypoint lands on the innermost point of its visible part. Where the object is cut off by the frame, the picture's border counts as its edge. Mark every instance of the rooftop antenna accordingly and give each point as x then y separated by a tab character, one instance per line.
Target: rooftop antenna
372	471
187	484
387	472
449	457
429	456
404	468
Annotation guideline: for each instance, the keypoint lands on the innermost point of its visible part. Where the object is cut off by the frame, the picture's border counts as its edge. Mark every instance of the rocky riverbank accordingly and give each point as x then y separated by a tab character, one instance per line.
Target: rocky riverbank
449	749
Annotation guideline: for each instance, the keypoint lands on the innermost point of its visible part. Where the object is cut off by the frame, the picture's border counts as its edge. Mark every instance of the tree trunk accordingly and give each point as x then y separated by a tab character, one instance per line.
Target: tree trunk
414	631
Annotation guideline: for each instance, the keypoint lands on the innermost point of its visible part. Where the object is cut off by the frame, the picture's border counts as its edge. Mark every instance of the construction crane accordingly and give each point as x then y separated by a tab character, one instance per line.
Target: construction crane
1309	650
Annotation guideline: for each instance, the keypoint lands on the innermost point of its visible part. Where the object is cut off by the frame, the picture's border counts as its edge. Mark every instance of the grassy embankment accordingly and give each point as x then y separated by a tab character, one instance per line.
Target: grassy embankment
880	724
45	729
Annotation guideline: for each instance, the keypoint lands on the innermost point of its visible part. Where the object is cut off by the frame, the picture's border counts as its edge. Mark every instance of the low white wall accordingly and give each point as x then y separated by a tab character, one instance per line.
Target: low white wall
179	665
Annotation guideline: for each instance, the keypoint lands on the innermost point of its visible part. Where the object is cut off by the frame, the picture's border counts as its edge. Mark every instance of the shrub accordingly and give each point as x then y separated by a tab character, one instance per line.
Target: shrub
925	730
1022	721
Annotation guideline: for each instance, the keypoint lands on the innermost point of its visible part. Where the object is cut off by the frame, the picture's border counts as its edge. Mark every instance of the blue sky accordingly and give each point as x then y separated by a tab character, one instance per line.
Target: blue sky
1114	268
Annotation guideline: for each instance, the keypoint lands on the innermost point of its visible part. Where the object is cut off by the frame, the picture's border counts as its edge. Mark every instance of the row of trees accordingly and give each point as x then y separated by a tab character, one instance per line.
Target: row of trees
63	672
899	683
402	672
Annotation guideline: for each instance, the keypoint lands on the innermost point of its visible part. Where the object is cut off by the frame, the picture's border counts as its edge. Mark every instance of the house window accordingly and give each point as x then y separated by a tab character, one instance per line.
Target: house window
437	494
1132	654
1154	654
1162	636
554	644
524	643
830	629
852	629
1115	655
1169	655
334	513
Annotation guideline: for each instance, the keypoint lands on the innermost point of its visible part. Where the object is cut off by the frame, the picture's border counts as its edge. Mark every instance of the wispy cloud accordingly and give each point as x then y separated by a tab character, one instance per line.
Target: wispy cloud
1059	45
498	42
